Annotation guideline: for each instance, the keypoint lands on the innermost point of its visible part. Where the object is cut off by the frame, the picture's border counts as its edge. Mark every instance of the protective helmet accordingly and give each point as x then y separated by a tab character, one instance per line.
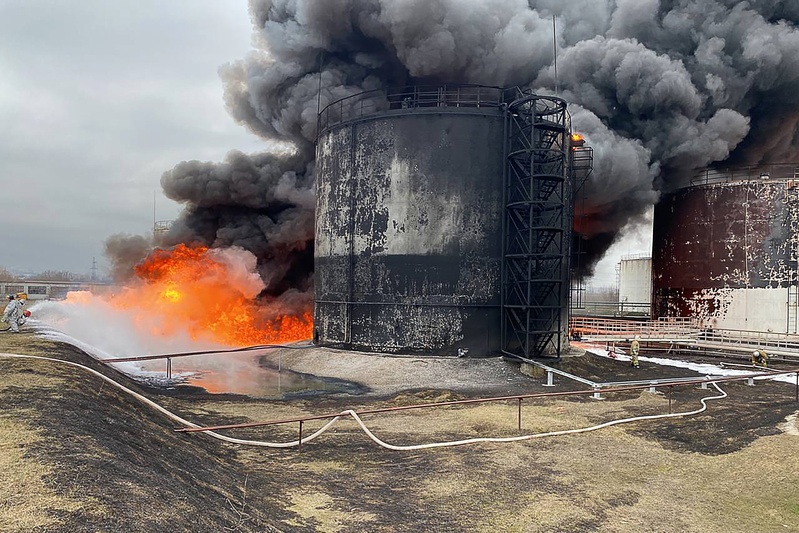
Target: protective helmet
755	353
26	313
10	296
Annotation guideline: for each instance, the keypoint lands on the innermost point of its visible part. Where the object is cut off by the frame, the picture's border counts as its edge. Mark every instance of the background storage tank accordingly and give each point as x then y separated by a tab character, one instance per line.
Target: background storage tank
635	285
411	215
725	249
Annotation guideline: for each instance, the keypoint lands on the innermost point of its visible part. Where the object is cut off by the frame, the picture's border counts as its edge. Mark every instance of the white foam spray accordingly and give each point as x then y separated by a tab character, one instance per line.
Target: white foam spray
103	331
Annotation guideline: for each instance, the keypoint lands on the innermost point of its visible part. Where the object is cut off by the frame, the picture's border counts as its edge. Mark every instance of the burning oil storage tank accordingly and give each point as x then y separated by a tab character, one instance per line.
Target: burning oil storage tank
725	249
413	196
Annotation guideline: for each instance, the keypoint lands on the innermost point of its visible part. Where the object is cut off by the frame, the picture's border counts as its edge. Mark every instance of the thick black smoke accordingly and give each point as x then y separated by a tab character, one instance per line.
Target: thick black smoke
659	87
124	252
263	203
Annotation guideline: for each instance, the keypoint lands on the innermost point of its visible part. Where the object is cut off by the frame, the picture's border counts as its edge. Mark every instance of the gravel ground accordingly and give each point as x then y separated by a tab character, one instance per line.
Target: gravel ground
386	374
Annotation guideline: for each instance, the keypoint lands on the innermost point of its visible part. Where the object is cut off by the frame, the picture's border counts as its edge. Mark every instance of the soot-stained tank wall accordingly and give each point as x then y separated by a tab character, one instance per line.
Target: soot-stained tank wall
409	232
724	254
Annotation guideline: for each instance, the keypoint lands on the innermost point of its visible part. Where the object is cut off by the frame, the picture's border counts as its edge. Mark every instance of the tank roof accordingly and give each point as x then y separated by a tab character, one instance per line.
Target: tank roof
745	174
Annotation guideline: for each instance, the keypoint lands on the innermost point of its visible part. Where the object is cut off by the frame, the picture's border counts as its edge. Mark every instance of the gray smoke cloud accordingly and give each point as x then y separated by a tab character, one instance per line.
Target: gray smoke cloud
124	252
659	88
263	203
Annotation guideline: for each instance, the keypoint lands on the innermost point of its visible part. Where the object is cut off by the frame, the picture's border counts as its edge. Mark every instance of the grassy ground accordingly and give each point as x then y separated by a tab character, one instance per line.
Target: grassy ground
78	455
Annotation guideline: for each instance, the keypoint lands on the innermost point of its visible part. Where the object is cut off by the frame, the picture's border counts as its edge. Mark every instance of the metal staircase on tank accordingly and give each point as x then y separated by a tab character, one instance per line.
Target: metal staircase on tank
538	212
581	165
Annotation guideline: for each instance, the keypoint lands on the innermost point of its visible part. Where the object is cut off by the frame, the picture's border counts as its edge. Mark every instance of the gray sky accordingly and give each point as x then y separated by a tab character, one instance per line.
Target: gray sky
97	99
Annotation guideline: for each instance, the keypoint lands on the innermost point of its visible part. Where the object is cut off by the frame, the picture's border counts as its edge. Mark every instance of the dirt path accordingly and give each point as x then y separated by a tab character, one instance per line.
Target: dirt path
78	455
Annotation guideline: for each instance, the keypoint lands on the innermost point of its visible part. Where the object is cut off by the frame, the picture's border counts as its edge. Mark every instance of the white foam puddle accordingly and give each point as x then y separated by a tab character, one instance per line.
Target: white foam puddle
94	326
701	368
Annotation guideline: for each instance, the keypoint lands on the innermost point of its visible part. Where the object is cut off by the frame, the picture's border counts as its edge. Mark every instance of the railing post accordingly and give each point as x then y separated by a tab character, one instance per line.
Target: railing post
520	414
550	379
299	441
168	368
670	387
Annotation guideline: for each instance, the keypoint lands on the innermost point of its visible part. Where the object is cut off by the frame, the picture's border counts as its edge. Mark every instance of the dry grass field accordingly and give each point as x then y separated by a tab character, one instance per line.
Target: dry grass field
77	454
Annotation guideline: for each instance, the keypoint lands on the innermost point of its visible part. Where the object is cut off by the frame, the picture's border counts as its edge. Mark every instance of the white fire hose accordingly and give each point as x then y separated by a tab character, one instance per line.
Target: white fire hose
354	415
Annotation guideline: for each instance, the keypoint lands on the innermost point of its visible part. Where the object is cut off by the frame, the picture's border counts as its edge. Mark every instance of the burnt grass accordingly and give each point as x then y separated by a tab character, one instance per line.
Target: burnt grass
749	412
126	459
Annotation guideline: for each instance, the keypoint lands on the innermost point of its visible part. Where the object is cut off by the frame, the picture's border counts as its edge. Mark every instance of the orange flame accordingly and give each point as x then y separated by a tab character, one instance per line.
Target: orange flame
189	289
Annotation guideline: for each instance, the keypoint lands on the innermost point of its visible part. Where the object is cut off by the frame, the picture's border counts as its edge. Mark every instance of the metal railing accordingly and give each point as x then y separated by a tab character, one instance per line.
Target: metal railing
616	309
685	331
713	176
169	356
669	328
740	340
409	98
652	386
636	257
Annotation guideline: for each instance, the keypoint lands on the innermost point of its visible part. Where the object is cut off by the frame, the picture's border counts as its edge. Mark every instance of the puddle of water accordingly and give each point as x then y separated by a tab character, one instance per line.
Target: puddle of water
262	382
245	375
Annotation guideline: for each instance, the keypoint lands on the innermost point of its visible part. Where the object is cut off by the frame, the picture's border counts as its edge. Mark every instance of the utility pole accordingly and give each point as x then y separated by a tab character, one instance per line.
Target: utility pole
555	52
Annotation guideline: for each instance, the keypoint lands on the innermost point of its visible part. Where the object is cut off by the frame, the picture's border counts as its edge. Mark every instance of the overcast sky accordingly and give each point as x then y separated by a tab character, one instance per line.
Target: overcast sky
97	99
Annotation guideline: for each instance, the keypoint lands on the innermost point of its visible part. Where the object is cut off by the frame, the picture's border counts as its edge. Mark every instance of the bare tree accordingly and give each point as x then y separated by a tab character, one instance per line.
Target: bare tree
5	275
602	294
58	275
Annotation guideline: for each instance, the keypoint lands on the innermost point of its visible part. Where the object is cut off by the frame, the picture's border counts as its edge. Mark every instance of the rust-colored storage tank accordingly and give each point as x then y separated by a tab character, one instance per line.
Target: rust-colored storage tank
724	249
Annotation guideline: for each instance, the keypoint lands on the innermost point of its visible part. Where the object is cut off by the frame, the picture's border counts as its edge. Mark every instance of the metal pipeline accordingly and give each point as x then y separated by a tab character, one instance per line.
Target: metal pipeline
207	352
190	426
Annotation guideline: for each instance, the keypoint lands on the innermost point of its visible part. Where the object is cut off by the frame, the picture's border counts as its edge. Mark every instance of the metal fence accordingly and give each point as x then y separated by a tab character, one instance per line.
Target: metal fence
664	328
741	340
614	309
713	176
409	98
685	332
595	391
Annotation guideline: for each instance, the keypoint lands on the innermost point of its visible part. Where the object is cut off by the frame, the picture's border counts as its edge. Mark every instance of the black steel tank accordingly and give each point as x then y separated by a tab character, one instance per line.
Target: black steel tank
409	217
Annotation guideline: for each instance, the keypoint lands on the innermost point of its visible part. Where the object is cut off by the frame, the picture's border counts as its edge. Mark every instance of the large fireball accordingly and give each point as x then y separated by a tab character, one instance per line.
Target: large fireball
212	295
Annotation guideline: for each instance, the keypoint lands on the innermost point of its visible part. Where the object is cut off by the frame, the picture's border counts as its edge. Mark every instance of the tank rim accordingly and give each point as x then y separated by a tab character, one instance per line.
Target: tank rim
719	175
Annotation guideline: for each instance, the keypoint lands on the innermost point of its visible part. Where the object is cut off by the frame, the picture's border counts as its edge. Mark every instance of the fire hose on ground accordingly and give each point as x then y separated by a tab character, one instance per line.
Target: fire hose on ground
354	415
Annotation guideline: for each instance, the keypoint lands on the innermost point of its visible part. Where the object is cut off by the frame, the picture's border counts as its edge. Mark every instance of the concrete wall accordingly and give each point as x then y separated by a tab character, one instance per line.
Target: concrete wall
408	236
47	290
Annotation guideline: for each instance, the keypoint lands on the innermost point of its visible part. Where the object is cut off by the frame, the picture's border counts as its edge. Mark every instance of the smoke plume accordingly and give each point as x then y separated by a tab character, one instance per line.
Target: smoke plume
658	87
124	251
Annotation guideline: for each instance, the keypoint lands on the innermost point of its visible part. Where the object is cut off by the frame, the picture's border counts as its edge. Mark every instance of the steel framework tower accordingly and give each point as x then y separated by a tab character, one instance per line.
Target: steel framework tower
538	222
